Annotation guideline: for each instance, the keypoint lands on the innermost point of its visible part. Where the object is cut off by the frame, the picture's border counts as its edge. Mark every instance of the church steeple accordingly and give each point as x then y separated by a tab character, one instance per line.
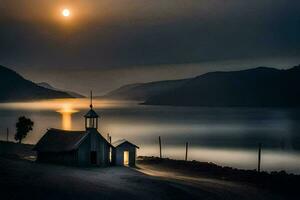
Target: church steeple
91	97
91	117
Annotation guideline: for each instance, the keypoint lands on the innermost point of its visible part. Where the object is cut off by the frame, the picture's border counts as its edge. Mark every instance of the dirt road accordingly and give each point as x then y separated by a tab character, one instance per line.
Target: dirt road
22	179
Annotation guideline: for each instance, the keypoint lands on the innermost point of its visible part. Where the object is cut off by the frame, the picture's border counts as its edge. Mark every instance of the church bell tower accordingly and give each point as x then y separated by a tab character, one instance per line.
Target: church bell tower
91	117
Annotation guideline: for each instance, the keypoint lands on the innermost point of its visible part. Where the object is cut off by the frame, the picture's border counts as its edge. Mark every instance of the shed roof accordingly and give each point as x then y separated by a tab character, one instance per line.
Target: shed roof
56	140
120	142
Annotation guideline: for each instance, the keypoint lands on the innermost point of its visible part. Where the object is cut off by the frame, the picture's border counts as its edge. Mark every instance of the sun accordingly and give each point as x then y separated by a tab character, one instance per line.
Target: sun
66	12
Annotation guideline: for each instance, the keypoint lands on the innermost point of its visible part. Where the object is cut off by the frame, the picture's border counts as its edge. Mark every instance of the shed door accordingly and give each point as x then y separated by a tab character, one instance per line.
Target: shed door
93	157
126	158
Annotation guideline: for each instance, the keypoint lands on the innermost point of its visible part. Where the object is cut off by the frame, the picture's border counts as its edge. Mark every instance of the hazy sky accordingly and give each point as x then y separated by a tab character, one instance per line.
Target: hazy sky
107	43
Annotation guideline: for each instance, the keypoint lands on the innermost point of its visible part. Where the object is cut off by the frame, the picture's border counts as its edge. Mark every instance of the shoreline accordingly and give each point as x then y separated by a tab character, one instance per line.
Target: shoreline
278	182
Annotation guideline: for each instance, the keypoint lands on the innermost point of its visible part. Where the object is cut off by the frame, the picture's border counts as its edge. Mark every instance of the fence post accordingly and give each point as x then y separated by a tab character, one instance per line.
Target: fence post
159	141
7	134
186	150
259	156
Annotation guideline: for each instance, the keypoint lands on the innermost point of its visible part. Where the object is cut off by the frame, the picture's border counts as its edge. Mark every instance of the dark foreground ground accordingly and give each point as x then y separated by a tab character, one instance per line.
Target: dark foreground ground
21	178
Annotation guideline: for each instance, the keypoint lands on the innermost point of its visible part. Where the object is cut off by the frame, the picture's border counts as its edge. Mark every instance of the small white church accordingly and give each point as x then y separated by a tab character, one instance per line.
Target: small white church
84	148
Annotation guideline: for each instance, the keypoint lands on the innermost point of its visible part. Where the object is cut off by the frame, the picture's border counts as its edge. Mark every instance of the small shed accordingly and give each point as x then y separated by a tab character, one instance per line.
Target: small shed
124	153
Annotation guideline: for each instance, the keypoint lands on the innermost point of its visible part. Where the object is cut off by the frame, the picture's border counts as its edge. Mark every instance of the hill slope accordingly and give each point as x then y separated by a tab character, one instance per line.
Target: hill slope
48	86
260	86
14	87
143	91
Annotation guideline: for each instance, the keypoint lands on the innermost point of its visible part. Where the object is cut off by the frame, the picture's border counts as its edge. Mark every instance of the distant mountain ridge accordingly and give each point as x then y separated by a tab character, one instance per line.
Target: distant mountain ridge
48	86
260	86
143	91
13	87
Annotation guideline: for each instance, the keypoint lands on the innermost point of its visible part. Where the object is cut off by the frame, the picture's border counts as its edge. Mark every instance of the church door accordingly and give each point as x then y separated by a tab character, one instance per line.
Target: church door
93	157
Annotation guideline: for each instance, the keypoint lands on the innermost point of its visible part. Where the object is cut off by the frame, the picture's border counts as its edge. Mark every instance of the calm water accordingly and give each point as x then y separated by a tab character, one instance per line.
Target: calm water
226	136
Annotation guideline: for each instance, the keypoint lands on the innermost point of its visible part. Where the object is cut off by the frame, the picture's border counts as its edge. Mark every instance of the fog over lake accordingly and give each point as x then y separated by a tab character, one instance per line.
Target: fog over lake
225	136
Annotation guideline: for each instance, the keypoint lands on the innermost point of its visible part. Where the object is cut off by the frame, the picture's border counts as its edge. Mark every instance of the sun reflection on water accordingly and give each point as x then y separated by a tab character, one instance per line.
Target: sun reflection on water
57	104
66	113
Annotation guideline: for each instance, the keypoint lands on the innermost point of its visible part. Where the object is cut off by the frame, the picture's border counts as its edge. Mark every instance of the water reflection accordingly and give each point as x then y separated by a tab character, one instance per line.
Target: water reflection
66	121
66	114
272	160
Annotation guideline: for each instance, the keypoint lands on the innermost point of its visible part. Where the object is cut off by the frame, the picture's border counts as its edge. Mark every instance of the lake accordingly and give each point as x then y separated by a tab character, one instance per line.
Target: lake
225	136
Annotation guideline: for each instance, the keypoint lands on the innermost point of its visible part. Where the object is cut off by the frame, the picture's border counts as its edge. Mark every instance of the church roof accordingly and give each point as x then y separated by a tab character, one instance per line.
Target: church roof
91	114
120	142
56	140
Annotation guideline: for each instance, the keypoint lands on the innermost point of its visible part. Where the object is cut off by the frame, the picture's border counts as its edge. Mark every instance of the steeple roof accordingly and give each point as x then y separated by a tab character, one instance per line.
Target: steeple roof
91	113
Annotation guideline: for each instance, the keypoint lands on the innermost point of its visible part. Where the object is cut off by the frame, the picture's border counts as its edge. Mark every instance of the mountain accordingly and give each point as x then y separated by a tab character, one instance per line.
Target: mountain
14	87
48	86
143	91
260	86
